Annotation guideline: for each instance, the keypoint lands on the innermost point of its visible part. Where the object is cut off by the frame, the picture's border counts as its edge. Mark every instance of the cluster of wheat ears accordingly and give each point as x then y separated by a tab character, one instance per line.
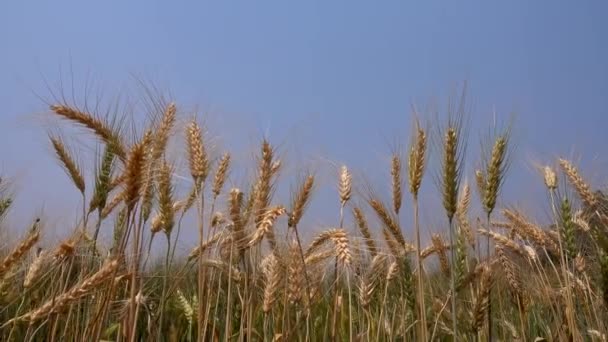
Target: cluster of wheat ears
250	276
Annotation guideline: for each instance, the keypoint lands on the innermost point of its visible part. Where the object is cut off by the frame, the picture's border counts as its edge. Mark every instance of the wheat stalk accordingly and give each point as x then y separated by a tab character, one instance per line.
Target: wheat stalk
416	164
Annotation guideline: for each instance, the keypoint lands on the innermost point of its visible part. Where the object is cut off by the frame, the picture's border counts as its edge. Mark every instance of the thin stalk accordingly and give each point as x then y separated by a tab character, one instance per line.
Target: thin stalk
489	314
201	300
229	298
164	293
453	278
564	265
135	284
421	305
337	285
308	294
202	297
96	233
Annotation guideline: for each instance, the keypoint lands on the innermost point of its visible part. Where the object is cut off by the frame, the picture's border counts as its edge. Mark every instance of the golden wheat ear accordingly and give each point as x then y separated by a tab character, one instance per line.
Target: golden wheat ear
582	188
221	174
19	252
396	183
370	279
80	290
165	197
68	162
272	281
300	201
345	185
416	160
388	221
364	229
481	303
163	132
134	169
99	127
197	153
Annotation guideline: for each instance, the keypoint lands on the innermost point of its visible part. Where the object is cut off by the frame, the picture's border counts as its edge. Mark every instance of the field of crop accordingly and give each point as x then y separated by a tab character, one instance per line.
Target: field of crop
252	275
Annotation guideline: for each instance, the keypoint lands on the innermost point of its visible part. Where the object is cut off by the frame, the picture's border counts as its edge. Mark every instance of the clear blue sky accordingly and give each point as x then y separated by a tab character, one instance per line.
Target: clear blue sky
332	80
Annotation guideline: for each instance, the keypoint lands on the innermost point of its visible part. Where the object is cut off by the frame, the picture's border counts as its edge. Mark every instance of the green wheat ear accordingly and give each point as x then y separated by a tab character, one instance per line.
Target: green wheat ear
461	257
5	204
102	181
567	229
495	173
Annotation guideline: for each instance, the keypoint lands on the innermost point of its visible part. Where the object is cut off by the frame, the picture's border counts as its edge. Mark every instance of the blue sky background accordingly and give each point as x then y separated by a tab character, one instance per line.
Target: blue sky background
330	82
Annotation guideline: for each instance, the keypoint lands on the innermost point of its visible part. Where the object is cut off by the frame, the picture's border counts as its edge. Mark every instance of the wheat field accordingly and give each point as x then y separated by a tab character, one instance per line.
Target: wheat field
253	275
